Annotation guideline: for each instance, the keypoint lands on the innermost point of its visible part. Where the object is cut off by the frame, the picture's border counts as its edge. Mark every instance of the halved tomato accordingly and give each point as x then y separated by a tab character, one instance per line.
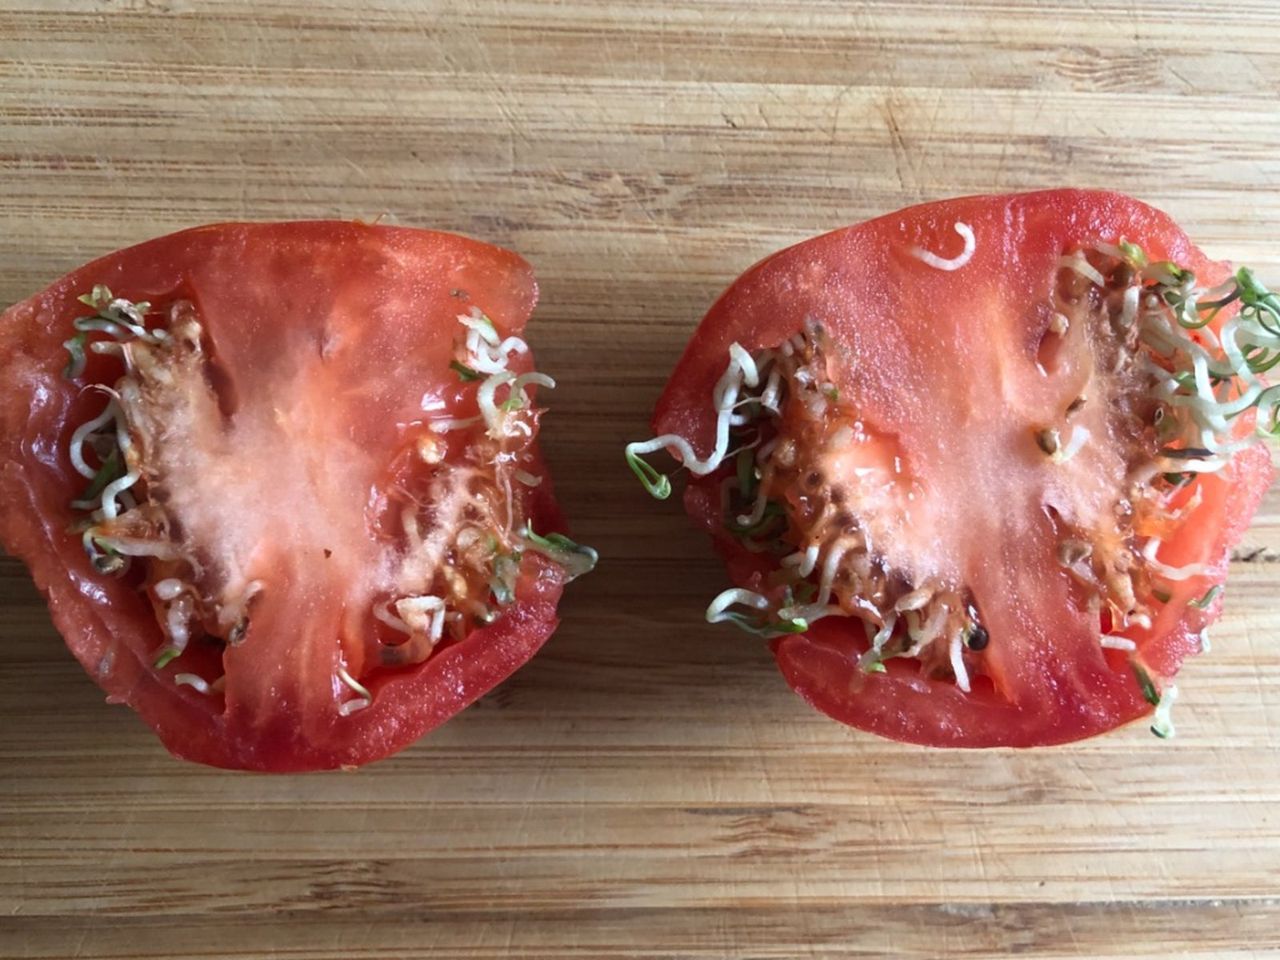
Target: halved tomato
281	486
976	466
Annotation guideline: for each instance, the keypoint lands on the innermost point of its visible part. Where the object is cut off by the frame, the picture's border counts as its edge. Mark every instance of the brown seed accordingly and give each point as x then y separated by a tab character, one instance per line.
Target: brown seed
1048	441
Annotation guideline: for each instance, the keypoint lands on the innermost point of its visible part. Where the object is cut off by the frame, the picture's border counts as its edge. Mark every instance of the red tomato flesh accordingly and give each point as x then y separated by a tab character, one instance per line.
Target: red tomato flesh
945	382
284	446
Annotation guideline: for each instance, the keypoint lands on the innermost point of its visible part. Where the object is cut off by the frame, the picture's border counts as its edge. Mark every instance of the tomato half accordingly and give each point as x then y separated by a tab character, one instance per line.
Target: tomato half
955	460
280	483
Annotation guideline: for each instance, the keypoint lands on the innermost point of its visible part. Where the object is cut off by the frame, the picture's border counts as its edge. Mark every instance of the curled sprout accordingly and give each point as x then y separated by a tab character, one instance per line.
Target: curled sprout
198	683
741	371
955	263
656	483
759	621
363	698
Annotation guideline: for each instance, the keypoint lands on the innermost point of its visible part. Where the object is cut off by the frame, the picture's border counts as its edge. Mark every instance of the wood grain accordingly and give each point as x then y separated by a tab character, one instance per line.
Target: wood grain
648	786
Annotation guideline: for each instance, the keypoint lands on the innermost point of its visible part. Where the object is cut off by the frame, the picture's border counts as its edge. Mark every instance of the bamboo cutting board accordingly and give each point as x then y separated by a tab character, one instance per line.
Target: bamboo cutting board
647	786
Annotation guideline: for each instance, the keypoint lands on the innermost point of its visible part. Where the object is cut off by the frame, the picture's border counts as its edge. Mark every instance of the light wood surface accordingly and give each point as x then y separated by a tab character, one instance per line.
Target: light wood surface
648	786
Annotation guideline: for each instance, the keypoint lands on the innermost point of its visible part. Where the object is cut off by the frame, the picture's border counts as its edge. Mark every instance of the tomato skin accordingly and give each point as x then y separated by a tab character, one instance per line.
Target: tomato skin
1057	690
266	288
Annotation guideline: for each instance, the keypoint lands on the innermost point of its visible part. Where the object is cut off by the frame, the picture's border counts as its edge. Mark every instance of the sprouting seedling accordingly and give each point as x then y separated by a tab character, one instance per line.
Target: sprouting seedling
1161	721
1211	387
102	556
113	316
111	470
1134	254
740	372
1161	699
758	620
1150	692
658	484
166	656
363	698
1209	596
576	559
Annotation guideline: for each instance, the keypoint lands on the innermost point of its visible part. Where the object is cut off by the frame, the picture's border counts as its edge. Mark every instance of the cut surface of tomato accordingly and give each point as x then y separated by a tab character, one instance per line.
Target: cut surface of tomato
280	483
976	467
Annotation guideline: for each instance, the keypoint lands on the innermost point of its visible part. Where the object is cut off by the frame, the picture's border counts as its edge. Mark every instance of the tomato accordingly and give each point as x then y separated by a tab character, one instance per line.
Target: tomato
308	534
971	506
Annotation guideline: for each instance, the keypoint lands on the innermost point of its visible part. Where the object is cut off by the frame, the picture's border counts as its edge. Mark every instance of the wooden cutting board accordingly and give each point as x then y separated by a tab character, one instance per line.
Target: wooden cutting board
648	786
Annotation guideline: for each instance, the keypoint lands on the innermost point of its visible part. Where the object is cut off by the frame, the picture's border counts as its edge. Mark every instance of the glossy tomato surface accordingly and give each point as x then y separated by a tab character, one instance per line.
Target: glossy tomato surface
943	362
327	342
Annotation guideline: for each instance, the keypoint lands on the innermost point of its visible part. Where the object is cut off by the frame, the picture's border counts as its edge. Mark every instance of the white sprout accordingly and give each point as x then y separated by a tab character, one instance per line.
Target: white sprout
759	506
138	547
485	352
1129	308
1080	265
110	509
169	588
829	568
741	370
362	699
803	560
176	622
195	681
913	600
923	634
1171	573
769	398
82	433
717	610
1079	436
446	424
955	263
485	399
957	661
1179	573
1112	642
522	381
495	414
423	616
382	614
